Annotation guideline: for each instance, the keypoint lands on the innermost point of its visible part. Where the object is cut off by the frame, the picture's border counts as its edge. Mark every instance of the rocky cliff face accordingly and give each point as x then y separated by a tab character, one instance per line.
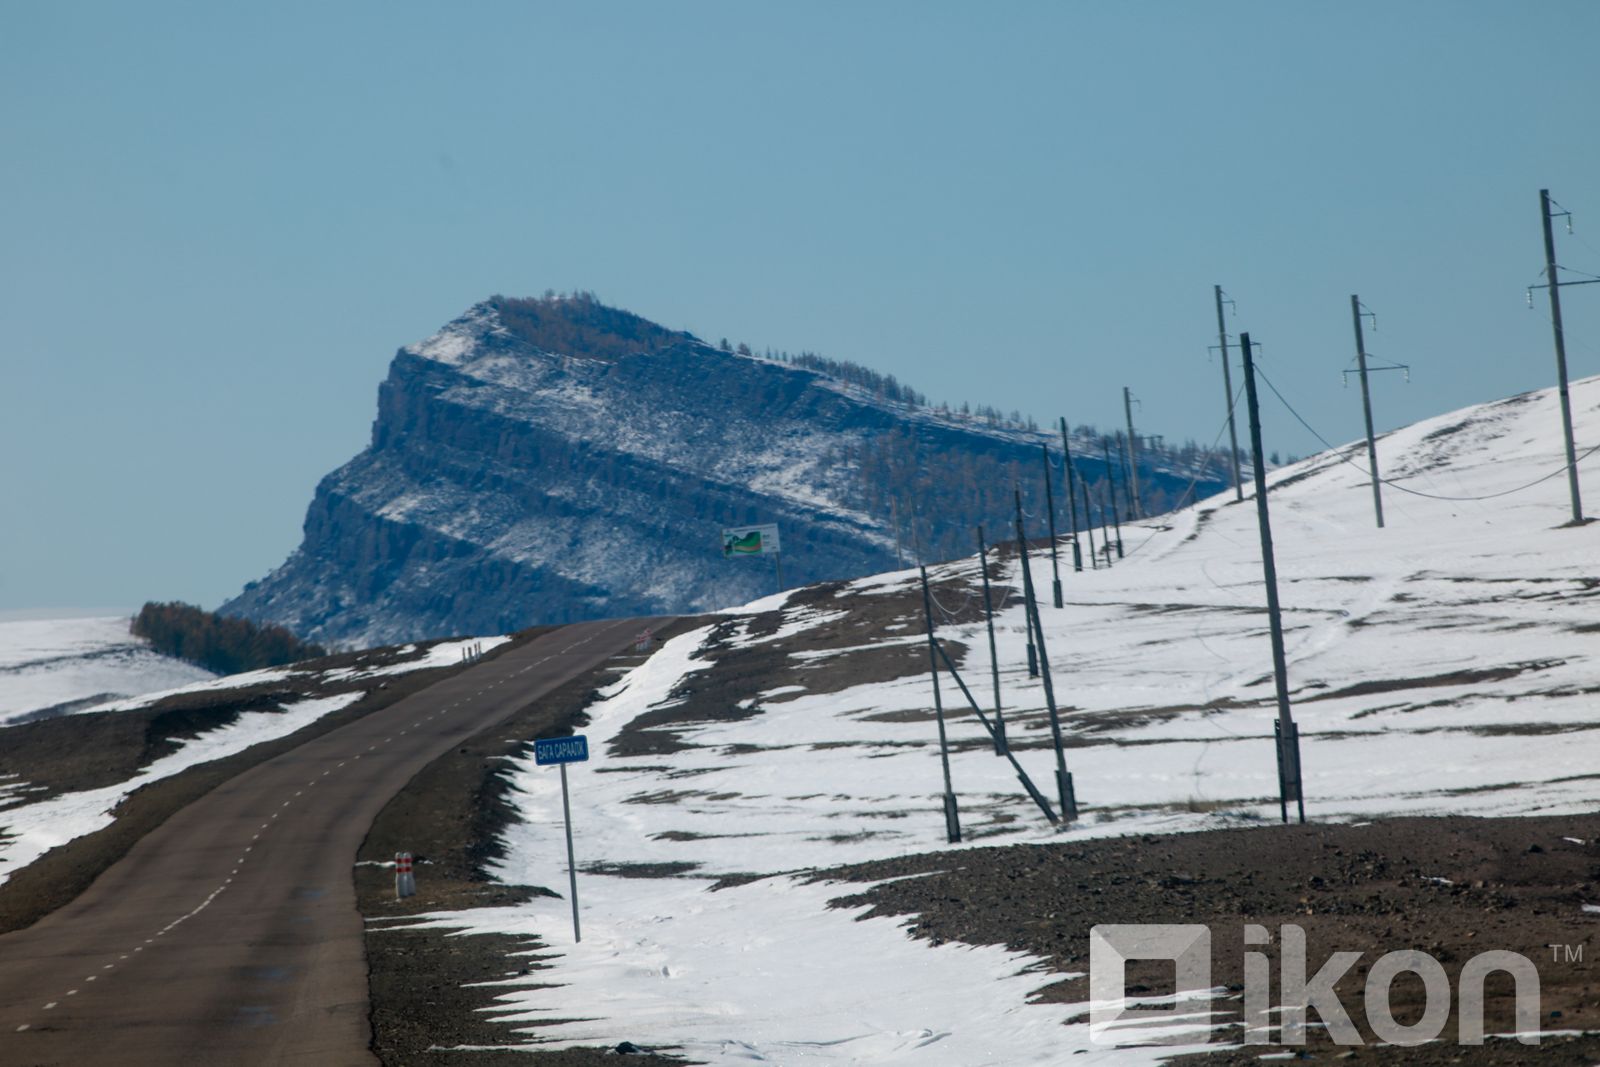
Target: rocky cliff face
549	461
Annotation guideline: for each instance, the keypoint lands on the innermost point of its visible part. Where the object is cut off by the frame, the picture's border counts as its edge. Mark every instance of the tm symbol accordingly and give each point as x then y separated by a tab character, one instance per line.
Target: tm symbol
1566	953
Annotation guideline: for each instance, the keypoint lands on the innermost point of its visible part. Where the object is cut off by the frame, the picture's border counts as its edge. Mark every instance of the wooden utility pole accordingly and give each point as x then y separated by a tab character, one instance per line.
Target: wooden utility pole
1137	509
1111	482
1288	736
1000	745
952	820
1116	525
1554	284
894	512
1050	510
1072	499
1064	789
1022	549
1366	409
1088	520
1227	386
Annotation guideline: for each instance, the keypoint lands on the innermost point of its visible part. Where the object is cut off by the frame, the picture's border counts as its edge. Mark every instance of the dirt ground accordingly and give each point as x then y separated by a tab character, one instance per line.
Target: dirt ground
1450	887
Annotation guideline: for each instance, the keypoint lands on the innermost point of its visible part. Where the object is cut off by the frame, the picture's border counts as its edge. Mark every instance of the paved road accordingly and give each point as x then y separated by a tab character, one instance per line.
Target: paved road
230	934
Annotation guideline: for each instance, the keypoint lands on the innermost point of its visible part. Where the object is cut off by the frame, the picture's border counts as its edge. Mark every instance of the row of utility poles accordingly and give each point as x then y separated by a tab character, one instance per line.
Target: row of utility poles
1358	312
1549	211
1286	734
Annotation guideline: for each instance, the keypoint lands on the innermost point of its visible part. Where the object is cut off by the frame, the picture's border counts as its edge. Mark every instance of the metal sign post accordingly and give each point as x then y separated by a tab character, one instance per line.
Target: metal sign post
565	750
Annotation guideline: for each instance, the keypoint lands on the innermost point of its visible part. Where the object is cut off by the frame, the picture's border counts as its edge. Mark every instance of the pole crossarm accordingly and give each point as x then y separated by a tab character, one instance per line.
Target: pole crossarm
1563	285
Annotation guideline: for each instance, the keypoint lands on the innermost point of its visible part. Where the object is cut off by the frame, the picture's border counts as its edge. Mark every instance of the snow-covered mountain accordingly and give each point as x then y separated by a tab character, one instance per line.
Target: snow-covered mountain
60	665
542	461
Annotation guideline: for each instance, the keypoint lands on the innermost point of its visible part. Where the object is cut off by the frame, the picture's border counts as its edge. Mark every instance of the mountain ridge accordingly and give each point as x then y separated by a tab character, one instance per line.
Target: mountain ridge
508	484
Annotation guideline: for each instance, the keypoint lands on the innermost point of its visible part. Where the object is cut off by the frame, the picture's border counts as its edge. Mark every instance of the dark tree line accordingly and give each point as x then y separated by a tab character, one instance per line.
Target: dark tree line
938	493
218	643
579	324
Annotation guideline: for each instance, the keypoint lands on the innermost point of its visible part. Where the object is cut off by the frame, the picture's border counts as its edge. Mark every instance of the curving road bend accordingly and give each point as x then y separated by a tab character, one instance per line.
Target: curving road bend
230	933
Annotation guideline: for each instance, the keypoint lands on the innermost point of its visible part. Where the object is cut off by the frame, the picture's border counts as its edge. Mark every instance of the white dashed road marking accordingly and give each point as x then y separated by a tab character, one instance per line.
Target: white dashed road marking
264	826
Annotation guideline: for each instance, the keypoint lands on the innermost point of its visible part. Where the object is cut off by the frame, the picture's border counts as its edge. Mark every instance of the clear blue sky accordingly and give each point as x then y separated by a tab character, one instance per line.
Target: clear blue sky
220	220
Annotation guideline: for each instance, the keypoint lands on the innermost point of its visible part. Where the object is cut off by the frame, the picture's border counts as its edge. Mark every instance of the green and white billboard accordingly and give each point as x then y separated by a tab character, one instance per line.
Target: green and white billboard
750	541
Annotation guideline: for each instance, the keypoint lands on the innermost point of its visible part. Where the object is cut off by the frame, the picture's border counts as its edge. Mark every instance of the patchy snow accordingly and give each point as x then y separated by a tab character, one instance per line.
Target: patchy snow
767	973
62	662
443	654
459	340
30	830
1440	665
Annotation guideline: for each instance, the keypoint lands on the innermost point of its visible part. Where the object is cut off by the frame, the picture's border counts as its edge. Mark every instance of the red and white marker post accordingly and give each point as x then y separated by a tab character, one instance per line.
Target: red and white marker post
405	883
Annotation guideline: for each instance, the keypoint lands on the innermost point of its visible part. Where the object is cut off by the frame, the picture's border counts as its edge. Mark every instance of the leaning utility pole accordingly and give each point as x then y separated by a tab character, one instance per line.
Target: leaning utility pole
1554	284
1136	509
1227	386
1050	509
1072	499
1065	792
1366	408
1288	735
1088	521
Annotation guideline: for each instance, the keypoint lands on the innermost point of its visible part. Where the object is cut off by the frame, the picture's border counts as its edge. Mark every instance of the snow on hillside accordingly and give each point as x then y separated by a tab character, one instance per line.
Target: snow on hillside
68	664
1440	665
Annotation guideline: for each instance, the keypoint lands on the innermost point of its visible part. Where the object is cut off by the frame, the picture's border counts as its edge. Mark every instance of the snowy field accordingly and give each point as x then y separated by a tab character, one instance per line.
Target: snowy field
31	827
1437	666
71	663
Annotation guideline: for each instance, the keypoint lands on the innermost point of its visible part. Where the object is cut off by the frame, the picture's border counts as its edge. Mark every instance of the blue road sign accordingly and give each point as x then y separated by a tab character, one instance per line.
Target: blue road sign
573	749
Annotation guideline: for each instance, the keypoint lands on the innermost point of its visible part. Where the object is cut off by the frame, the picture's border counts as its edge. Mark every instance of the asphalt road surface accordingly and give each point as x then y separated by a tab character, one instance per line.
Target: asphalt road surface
230	935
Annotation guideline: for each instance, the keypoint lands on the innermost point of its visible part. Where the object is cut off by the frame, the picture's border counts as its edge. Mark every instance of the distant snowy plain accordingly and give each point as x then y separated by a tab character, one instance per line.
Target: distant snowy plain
71	663
30	827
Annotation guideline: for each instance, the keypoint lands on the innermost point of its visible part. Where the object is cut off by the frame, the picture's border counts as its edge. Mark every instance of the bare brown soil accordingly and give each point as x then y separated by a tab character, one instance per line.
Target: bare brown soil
731	687
1450	887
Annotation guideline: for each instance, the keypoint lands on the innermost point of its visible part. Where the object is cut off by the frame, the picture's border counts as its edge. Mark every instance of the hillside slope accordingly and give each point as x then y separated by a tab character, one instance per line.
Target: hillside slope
553	460
1440	666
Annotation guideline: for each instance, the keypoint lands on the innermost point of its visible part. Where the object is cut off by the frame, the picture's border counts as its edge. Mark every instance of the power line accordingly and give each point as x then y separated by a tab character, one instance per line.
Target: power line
1406	489
1226	425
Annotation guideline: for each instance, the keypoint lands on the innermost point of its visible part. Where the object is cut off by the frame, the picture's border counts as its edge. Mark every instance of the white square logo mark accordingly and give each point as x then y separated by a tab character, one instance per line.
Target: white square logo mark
1113	1018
